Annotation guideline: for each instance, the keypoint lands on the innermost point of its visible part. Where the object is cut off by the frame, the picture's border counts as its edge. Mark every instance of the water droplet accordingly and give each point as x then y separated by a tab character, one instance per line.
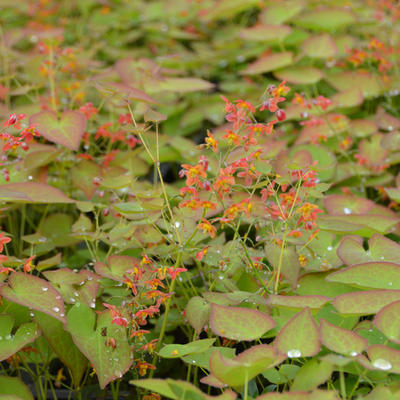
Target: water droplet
32	314
177	224
382	364
58	297
56	309
353	353
81	283
329	248
390	128
92	305
45	289
347	210
390	283
89	278
8	337
294	353
76	294
62	315
30	177
382	257
72	300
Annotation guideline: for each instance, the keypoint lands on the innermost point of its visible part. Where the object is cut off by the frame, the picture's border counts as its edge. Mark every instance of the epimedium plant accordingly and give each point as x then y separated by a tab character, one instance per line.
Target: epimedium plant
241	276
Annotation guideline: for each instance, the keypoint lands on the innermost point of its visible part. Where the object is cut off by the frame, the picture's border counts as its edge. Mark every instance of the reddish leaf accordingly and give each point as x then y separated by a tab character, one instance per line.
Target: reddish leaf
66	130
387	320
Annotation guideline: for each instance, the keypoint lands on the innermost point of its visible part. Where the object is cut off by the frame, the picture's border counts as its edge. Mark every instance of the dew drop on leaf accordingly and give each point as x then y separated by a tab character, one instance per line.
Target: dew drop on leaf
294	353
347	210
382	364
45	289
353	353
56	309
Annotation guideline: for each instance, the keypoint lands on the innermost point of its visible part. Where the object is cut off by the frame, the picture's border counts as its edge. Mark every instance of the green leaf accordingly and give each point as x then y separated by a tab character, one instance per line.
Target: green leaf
202	360
248	364
299	337
312	374
277	13
341	340
269	63
90	335
315	284
366	302
155	385
313	302
180	350
32	192
226	9
66	130
325	19
179	85
118	266
387	320
320	46
14	389
35	293
266	33
239	323
376	275
299	75
11	343
384	358
197	313
83	175
61	342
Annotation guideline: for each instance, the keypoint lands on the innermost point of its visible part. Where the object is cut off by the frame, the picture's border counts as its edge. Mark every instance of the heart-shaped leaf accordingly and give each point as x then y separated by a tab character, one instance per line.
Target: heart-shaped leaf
11	343
66	130
366	302
339	204
300	75
320	46
14	389
32	192
245	366
312	374
118	266
298	301
299	337
266	33
36	293
376	275
341	340
91	337
197	313
61	342
387	320
83	176
239	323
180	350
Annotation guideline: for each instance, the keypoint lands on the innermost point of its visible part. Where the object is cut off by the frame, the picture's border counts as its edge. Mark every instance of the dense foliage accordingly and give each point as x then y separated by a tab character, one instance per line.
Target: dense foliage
199	199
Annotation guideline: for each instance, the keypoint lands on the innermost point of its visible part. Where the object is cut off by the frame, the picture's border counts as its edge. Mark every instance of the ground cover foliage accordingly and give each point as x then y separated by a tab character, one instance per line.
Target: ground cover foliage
200	199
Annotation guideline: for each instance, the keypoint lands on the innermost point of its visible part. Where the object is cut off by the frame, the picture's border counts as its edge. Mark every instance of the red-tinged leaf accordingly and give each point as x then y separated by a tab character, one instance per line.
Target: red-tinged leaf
320	46
117	268
66	130
32	192
14	389
347	98
41	156
300	75
35	293
90	335
362	127
376	275
352	252
384	358
341	340
269	63
386	121
11	343
326	19
381	248
61	342
245	366
340	204
83	177
197	313
130	93
299	337
266	33
382	392
366	302
387	320
370	85
371	149
226	9
179	85
277	13
239	323
298	301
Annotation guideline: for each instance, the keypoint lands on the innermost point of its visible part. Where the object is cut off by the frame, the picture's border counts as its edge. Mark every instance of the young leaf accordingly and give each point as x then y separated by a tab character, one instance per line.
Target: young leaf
341	340
387	320
61	342
269	63
180	350
365	302
11	343
298	301
239	323
299	337
90	336
35	293
197	313
66	130
312	374
14	389
376	275
384	358
320	46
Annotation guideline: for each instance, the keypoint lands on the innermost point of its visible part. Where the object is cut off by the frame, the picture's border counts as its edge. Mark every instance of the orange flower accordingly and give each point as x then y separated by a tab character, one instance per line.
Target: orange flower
206	227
